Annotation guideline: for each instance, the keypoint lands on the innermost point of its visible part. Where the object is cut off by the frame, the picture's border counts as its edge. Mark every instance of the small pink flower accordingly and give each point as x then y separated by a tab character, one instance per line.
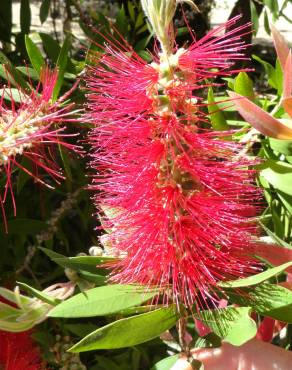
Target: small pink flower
31	129
180	200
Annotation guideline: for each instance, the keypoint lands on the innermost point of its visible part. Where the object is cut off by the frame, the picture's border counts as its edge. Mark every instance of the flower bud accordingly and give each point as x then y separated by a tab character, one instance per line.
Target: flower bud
160	14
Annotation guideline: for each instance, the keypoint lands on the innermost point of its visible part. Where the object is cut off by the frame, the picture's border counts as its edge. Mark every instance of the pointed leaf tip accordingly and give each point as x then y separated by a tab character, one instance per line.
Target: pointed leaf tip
281	46
261	120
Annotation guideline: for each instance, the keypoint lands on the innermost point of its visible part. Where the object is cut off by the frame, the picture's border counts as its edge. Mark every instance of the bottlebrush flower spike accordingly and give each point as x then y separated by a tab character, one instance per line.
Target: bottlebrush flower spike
31	128
180	199
19	352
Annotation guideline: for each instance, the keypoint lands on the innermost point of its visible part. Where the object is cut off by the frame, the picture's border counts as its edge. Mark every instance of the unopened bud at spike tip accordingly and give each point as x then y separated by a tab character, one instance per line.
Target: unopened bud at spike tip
160	14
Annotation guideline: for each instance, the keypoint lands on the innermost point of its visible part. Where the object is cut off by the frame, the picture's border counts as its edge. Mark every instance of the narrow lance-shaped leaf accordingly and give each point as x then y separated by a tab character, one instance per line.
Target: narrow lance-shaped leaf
216	115
105	300
44	10
254	17
261	120
25	16
61	65
10	73
84	263
281	46
129	332
243	85
39	294
256	279
34	54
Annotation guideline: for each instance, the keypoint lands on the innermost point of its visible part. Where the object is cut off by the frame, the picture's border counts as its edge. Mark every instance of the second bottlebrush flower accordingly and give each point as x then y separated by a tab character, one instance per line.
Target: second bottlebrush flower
180	198
30	127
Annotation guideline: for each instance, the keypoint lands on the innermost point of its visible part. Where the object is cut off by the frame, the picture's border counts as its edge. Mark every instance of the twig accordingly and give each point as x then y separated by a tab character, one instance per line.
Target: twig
48	234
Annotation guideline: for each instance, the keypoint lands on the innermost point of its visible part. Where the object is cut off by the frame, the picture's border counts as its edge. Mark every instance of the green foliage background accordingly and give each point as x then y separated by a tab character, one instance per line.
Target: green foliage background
64	230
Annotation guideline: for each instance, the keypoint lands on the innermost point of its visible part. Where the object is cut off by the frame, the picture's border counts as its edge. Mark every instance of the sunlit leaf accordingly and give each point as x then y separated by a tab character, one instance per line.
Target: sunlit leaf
101	301
256	279
281	46
34	54
278	174
129	332
233	324
216	115
261	120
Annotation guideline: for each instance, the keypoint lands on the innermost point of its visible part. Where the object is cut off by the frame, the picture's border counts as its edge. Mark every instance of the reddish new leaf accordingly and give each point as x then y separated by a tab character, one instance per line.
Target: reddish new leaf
281	46
261	120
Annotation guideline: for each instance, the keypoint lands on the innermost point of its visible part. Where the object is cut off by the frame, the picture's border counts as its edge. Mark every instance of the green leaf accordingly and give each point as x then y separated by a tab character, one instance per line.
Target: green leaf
25	226
23	177
39	294
10	73
12	94
216	115
93	278
84	263
145	55
166	363
28	72
278	174
6	20
243	85
16	327
274	7
51	47
269	69
129	332
256	279
25	16
105	300
224	103
267	300
286	200
278	240
7	311
34	54
233	324
61	66
66	163
44	10
281	146
131	11
267	23
122	22
210	340
254	17
10	295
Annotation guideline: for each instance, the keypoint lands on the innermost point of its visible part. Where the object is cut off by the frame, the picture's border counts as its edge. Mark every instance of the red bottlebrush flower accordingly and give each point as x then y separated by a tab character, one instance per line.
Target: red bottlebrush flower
30	128
181	197
18	352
